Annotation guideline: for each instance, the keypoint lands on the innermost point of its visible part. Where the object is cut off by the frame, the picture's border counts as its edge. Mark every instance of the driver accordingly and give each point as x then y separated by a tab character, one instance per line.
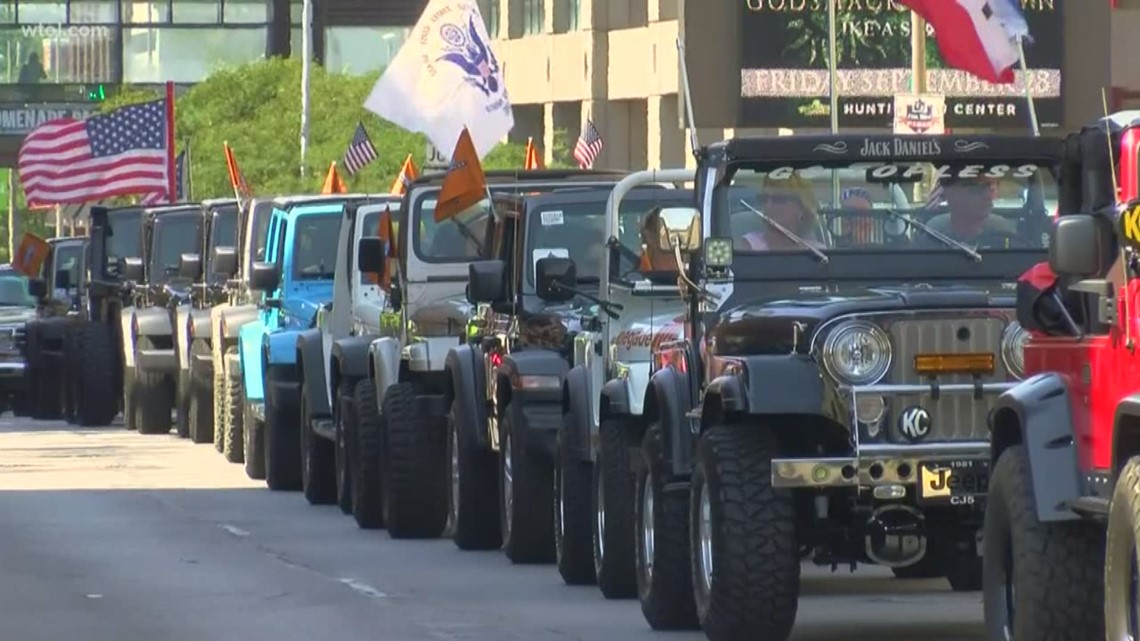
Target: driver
971	217
653	258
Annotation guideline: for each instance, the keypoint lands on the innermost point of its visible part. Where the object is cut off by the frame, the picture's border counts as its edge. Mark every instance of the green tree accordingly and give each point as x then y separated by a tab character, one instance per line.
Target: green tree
256	107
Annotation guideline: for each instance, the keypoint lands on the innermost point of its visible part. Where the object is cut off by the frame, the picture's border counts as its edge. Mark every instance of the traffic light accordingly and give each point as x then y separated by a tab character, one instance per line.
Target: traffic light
98	93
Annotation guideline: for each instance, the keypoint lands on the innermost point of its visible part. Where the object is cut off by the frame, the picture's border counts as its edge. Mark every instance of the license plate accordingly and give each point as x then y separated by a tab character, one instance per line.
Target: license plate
953	482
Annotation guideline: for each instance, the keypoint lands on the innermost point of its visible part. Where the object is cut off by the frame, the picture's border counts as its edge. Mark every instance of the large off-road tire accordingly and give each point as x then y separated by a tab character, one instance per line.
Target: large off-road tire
46	382
282	444
129	383
96	400
573	515
613	492
473	489
218	391
1054	572
318	458
182	410
414	468
233	441
253	443
364	459
744	552
153	400
345	434
526	497
664	578
1120	561
69	377
201	410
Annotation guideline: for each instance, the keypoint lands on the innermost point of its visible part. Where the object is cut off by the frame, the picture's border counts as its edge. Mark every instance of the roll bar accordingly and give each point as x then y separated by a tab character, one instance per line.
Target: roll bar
636	179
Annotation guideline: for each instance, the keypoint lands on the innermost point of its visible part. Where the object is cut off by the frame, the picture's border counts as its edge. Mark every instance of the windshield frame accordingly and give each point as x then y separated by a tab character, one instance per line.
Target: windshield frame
156	274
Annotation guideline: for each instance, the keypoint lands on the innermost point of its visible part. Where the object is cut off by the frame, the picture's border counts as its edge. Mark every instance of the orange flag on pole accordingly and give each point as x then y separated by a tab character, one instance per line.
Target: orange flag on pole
408	173
30	256
333	182
386	231
533	158
464	184
241	187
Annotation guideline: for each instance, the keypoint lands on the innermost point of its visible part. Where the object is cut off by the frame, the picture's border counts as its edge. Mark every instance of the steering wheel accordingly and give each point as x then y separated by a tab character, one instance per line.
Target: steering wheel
1002	240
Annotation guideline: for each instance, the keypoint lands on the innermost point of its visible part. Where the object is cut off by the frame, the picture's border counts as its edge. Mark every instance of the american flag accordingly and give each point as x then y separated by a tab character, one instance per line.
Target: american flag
589	145
181	182
360	151
74	161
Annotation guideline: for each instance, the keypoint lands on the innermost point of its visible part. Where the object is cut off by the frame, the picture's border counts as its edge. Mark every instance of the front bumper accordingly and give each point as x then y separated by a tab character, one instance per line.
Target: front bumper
156	360
891	469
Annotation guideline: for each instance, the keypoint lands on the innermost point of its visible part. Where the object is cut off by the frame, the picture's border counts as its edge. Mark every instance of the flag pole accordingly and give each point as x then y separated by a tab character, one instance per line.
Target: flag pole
306	63
1033	123
171	177
833	57
918	77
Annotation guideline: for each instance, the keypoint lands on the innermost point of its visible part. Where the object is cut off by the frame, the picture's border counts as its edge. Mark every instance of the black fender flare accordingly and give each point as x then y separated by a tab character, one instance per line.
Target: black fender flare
798	378
152	321
1037	413
311	367
349	360
1125	432
51	329
467	388
198	326
724	395
667	401
535	362
578	416
613	400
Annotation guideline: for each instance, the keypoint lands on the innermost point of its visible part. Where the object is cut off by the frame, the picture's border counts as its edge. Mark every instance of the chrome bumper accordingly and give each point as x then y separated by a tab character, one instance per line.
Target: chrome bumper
886	464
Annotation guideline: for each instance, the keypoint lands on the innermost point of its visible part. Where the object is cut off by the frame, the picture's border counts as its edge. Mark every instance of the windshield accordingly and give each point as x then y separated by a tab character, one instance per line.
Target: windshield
578	231
224	229
261	216
124	236
990	206
68	257
457	239
174	235
315	245
14	292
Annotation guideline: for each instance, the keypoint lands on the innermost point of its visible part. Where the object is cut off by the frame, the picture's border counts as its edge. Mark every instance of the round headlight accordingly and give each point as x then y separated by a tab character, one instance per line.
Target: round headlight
1013	342
858	353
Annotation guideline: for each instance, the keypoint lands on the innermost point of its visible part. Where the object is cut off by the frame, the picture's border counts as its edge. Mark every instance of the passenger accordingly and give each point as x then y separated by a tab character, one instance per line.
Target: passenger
653	258
790	203
971	202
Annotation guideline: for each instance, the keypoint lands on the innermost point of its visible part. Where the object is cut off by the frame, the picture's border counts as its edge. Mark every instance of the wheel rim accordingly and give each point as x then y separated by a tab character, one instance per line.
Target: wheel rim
453	460
508	479
647	541
600	516
704	532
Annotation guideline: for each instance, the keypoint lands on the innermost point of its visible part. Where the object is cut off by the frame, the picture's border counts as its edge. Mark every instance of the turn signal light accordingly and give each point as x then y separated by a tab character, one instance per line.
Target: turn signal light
954	363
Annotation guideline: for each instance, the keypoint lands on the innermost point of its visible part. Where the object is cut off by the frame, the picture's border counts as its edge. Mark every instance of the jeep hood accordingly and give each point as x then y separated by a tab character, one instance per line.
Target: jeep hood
11	315
442	317
785	324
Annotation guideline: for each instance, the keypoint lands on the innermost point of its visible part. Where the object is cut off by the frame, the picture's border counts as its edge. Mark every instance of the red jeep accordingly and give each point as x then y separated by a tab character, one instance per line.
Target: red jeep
1066	442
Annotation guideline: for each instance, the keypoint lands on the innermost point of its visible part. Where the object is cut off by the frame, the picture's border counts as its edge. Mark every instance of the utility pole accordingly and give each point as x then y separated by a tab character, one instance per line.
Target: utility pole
306	64
917	53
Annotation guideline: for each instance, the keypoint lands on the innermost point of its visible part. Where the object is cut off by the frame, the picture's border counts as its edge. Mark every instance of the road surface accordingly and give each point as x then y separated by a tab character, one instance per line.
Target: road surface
108	535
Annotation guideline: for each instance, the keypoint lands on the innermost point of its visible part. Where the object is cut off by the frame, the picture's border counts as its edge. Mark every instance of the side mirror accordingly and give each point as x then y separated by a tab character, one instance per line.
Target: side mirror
225	261
190	266
370	256
678	226
37	288
62	279
133	269
486	281
1079	245
555	279
264	277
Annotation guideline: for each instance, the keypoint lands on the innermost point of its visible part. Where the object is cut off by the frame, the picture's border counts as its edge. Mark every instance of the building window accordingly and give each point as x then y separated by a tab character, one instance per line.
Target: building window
197	11
566	15
245	12
533	12
145	12
93	12
361	50
83	54
41	12
490	11
156	55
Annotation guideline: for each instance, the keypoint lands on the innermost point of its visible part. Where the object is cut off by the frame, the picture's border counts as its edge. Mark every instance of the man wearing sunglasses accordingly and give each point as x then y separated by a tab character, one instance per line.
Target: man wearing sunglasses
971	217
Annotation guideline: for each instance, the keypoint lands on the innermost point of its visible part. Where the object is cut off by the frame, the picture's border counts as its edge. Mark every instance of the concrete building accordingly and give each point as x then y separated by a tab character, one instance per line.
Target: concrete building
616	62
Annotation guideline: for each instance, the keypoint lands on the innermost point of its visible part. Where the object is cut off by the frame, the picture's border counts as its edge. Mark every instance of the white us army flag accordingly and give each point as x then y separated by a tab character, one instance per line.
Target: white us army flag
446	77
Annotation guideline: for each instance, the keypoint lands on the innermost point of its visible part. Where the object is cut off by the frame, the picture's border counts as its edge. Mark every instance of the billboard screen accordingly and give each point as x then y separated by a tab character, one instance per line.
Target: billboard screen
784	67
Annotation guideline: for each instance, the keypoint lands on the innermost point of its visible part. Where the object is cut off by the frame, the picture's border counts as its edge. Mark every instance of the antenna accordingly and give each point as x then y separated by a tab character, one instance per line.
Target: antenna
1108	140
688	97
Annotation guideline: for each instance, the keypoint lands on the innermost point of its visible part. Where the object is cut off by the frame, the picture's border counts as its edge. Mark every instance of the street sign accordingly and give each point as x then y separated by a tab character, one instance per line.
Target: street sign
433	159
19	119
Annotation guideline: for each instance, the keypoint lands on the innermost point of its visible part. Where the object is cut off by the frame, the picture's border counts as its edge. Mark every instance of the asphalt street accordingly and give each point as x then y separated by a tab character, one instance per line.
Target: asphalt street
107	535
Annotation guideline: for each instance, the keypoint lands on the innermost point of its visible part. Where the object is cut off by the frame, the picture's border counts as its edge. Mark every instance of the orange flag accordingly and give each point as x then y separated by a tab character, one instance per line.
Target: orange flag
333	182
533	158
464	184
386	231
241	187
30	256
408	173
